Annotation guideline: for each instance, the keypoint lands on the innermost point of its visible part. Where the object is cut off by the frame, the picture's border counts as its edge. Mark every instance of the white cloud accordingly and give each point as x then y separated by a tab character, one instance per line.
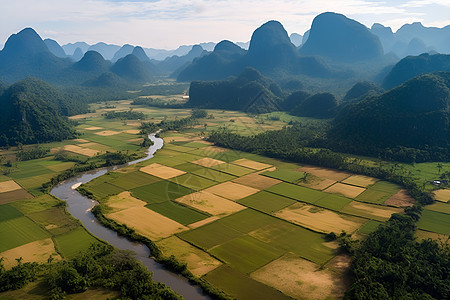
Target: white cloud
169	23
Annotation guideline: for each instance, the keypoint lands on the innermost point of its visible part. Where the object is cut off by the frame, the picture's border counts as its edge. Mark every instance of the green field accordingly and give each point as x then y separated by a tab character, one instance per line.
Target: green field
373	196
102	190
8	212
439	207
188	167
177	212
266	202
435	221
369	227
36	204
233	169
160	191
246	254
333	202
248	220
285	175
55	220
70	244
19	231
296	192
193	182
213	175
241	286
133	180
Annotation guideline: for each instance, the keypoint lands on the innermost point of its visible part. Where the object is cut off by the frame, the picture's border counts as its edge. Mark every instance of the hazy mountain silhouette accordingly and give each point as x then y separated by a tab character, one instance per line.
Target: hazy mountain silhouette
55	48
92	62
107	80
412	66
415	47
140	54
322	106
341	39
77	55
122	52
132	69
296	39
362	90
71	47
174	63
106	50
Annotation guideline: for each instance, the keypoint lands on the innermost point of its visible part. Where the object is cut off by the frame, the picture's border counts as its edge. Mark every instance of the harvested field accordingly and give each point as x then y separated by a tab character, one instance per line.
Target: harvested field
210	203
61	167
81	141
266	202
316	183
423	235
246	254
38	251
180	138
203	222
301	279
345	190
442	195
360	180
9	186
147	222
319	219
81	150
131	131
93	128
123	201
161	171
325	173
107	133
208	162
251	164
257	181
198	261
400	199
179	213
232	191
370	211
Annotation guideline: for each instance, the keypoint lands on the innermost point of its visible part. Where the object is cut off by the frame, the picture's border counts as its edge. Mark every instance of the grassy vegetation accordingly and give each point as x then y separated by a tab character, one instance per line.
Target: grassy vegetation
296	192
286	175
266	202
73	242
160	191
177	212
8	212
19	231
435	221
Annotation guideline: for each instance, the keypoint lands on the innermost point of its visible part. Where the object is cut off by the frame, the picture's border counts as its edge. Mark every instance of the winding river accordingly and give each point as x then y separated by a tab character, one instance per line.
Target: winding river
80	207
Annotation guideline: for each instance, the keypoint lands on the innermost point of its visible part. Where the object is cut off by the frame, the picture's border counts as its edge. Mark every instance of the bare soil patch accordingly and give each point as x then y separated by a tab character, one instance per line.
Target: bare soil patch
12	196
251	164
208	162
400	199
161	171
319	219
442	195
325	173
94	128
360	180
38	251
374	210
210	203
257	181
81	150
198	261
9	186
232	191
81	141
147	222
317	183
301	279
345	190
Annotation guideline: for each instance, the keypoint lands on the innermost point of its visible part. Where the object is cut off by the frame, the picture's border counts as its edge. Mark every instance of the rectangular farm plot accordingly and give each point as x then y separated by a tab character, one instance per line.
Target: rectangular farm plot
160	191
179	213
233	169
123	201
240	286
385	186
251	164
107	132
319	219
325	173
373	196
102	190
345	190
360	180
8	212
207	162
9	186
400	199
232	191
213	174
369	227
442	195
434	221
74	242
81	150
147	222
19	231
188	167
296	192
133	180
197	261
210	203
210	235
266	202
193	181
317	183
161	171
246	254
55	220
40	203
203	222
333	202
370	211
257	181
248	220
439	207
286	175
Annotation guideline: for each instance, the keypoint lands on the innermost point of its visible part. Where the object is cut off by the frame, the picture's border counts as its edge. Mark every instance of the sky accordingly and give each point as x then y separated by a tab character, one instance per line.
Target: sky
167	24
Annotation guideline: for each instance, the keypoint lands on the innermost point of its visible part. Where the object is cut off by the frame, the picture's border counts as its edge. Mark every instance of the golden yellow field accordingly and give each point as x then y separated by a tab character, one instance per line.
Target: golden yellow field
203	222
9	186
123	201
251	164
94	128
374	210
319	219
38	251
324	173
210	203
81	150
147	222
81	141
301	279
198	261
208	162
107	132
161	171
345	190
360	180
442	195
257	181
131	131
232	191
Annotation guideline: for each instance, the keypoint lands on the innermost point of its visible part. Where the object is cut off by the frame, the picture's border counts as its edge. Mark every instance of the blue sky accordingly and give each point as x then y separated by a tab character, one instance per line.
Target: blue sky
170	23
